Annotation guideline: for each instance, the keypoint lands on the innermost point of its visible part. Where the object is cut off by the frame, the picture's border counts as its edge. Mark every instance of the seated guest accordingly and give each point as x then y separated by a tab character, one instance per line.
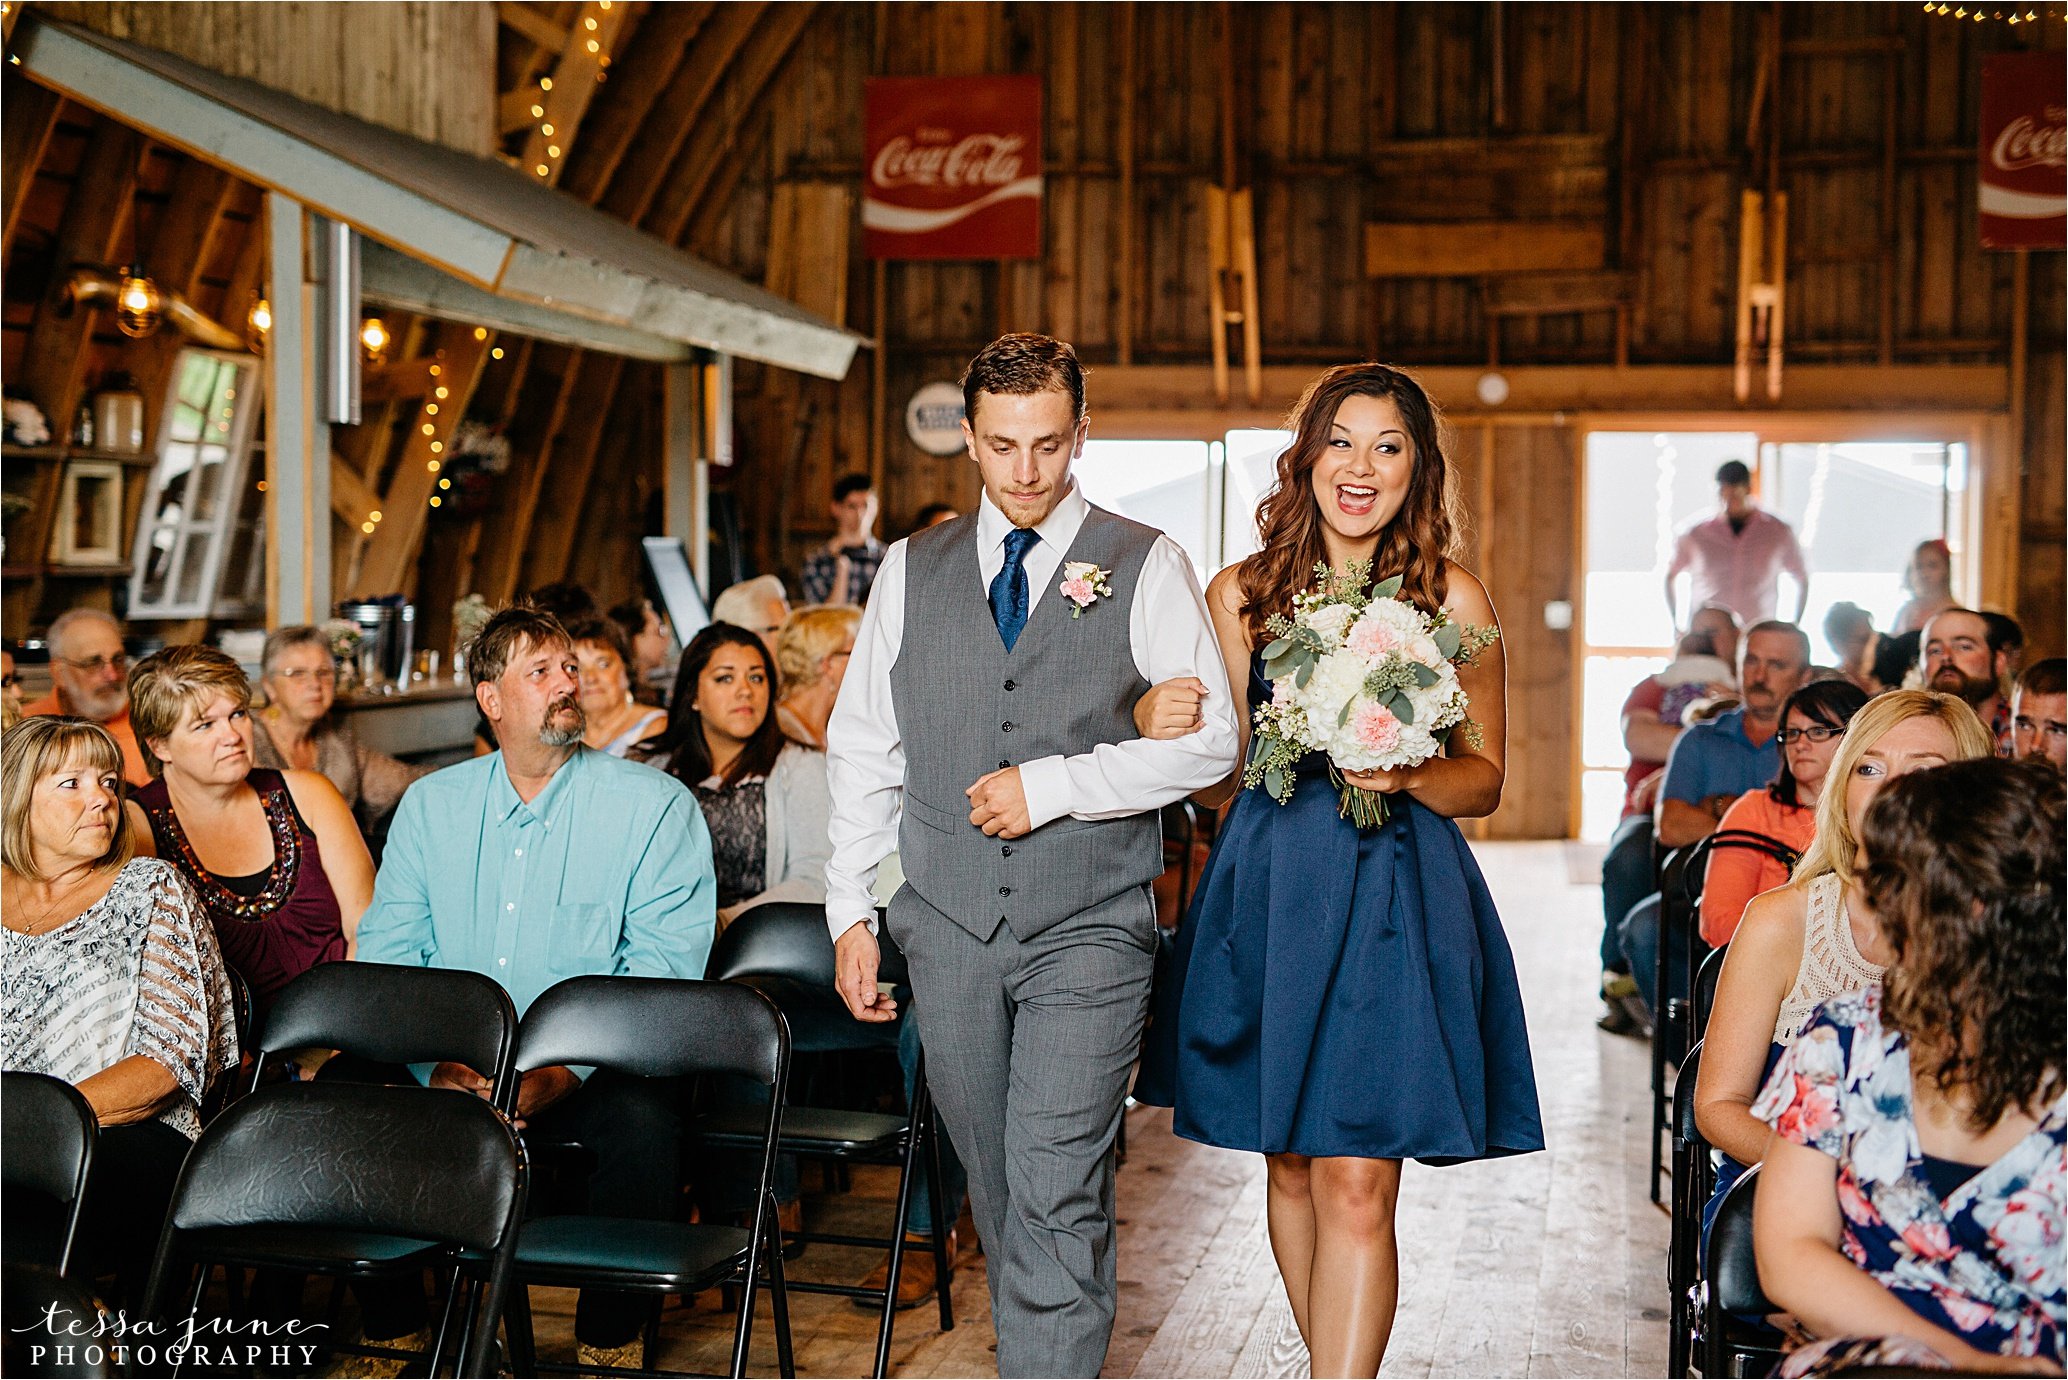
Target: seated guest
295	730
764	799
1712	764
275	856
1966	654
1850	631
2039	712
1785	811
616	721
1812	939
646	633
812	655
10	692
759	605
933	515
541	861
87	666
111	980
1910	1210
1628	873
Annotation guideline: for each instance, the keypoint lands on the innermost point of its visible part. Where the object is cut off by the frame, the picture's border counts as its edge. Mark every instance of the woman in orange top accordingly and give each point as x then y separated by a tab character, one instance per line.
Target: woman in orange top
1812	721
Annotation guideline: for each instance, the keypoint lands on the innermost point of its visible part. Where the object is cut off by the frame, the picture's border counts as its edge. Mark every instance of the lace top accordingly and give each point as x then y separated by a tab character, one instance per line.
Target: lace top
1831	962
737	816
137	972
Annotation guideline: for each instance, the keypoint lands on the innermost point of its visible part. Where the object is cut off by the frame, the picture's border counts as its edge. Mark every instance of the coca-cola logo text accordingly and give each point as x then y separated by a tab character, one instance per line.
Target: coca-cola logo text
2025	143
926	160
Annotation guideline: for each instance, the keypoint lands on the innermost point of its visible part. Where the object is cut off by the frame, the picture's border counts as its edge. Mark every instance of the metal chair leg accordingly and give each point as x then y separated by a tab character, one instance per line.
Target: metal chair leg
924	1120
897	1245
779	1307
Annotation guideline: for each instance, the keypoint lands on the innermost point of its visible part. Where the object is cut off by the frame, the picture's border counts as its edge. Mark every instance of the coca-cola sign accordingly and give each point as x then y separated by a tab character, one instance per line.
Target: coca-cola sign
952	168
2023	170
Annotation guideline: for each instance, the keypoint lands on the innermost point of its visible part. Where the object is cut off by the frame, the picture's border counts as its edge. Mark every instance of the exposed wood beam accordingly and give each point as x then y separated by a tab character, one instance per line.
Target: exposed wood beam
590	42
762	58
54	362
176	256
351	498
653	53
26	121
565	488
654	150
500	562
533	25
392	552
514	108
404	379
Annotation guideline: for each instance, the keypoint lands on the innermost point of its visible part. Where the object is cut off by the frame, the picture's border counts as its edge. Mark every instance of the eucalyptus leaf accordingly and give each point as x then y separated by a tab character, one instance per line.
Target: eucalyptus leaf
1304	674
1349	708
1403	708
1424	676
1274	650
1447	641
1387	588
1274	782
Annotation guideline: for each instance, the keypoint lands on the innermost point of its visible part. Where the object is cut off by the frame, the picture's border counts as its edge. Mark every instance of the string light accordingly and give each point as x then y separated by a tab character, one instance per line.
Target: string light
496	353
430	409
430	430
367	528
374	516
139	307
439	392
373	335
445	483
432	465
436	501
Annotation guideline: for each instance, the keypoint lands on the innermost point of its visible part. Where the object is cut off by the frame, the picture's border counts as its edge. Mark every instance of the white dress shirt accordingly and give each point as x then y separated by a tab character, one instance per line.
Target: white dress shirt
1169	634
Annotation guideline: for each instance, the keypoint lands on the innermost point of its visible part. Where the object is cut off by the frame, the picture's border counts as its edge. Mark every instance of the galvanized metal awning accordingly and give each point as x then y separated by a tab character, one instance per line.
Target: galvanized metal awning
525	256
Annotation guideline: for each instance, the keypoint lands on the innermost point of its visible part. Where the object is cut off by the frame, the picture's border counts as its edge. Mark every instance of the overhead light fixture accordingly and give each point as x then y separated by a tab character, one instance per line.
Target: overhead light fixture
374	337
258	323
139	306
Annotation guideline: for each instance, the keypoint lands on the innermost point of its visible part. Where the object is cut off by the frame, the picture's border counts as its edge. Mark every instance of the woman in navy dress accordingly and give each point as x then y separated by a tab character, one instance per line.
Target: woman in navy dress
1343	999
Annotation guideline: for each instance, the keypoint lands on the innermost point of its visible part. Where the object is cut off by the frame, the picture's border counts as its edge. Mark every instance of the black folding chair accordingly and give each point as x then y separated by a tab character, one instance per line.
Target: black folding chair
355	1179
1691	1189
1731	1293
658	1028
394	1014
47	1134
776	946
1704	995
38	1310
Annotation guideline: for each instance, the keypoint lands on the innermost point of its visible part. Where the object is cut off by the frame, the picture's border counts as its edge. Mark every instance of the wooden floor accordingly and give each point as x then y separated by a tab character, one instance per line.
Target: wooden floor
1548	1264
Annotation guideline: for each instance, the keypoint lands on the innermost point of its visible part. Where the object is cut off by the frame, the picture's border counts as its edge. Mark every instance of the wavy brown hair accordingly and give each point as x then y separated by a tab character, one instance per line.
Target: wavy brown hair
1964	869
1414	545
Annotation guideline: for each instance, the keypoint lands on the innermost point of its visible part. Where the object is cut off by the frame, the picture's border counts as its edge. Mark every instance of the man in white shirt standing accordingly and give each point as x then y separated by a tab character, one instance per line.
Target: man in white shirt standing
998	754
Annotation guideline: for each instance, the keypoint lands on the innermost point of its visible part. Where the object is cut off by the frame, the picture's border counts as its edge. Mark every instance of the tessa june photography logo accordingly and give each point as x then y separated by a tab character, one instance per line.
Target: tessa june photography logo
60	1337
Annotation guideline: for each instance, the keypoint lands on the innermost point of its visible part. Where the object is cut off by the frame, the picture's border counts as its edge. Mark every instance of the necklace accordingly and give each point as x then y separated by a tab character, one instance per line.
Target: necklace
42	921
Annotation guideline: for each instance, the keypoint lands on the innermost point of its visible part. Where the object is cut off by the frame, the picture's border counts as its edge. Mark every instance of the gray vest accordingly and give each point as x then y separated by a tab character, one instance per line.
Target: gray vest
966	706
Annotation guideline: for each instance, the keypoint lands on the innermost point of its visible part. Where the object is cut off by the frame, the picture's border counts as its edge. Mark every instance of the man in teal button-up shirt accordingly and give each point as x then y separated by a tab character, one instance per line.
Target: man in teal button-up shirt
543	861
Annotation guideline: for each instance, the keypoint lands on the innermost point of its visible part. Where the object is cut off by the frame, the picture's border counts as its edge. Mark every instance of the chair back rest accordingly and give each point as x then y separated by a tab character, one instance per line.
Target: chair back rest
415	1162
1706	978
1695	872
1684	1128
396	1014
1733	1269
789	940
243	1007
657	1028
47	1135
39	1310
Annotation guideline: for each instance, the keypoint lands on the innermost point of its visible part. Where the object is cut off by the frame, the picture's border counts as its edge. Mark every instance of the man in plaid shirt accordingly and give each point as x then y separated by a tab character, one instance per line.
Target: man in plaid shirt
841	571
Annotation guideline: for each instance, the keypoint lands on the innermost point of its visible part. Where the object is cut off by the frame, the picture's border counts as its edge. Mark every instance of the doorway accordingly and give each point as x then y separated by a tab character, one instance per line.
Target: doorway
1858	508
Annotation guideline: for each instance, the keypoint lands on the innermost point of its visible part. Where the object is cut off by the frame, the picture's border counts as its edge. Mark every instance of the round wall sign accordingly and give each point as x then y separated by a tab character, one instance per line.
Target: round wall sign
933	419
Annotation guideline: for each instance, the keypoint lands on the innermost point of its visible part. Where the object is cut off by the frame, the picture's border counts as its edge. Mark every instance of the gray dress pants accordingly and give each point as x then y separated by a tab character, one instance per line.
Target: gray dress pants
1028	1049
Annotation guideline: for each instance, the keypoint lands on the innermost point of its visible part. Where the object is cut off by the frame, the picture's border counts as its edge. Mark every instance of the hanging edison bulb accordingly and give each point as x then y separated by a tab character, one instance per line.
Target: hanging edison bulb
139	307
373	335
258	323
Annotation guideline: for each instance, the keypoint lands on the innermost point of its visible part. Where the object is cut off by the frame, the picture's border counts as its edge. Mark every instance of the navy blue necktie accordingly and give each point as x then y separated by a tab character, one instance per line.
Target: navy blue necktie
1009	585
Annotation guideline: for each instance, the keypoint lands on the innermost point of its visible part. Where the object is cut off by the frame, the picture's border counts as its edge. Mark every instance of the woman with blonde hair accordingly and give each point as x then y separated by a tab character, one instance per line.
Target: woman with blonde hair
110	978
812	654
1801	944
275	856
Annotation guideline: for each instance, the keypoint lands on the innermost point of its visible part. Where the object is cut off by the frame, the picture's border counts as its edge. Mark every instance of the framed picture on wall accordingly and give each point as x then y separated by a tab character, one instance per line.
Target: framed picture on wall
89	515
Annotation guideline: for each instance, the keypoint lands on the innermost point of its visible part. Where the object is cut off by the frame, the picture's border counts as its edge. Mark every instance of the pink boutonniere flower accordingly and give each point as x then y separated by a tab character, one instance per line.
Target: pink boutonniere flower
1083	583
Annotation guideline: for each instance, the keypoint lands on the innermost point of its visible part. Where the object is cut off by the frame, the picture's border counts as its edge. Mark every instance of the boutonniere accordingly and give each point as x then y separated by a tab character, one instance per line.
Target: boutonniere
1082	583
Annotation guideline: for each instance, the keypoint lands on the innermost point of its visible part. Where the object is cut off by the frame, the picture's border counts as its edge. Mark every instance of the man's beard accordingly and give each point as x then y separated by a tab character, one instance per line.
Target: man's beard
99	703
563	737
1952	680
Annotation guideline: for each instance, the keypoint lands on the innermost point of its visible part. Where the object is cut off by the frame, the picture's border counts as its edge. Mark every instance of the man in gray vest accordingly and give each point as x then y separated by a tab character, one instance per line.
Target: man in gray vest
989	703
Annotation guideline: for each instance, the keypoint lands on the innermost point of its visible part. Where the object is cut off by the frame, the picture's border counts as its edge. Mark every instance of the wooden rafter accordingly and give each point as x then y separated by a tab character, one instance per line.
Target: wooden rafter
587	50
178	253
500	560
54	362
615	118
533	25
564	485
758	63
661	137
26	121
398	537
514	108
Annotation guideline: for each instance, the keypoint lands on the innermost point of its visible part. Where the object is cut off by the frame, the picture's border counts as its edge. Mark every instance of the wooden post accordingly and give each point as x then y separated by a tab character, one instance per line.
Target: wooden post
1124	260
717	450
297	486
681	421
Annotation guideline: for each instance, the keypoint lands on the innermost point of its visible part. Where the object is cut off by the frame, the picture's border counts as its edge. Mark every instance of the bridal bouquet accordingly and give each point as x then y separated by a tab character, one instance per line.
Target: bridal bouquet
1365	677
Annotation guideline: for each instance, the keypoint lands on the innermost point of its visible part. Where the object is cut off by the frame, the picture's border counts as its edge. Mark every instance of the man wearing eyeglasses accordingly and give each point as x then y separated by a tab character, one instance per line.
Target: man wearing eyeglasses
89	674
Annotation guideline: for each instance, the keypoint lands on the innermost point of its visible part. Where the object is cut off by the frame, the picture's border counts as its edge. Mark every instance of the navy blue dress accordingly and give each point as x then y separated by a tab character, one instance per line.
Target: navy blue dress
1337	992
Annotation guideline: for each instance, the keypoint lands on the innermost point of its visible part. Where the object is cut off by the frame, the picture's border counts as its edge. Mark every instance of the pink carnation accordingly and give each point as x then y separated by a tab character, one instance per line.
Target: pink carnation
1078	592
1376	728
1372	640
